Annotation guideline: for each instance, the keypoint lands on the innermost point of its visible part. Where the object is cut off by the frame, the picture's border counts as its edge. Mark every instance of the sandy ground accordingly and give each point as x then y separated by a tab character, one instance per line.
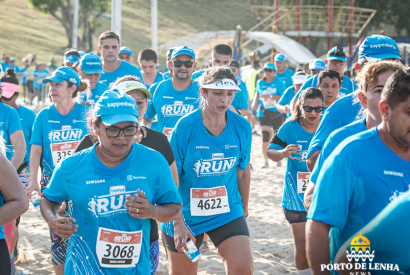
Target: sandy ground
272	241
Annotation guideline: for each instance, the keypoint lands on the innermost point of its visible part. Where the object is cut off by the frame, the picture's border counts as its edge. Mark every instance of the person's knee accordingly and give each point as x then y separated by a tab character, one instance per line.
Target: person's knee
265	136
243	268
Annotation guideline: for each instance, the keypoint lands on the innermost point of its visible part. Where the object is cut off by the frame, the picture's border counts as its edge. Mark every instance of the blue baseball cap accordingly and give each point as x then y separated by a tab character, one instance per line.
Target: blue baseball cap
183	50
63	73
169	52
126	50
377	47
82	53
336	53
91	64
12	59
71	58
114	107
280	57
317	64
269	66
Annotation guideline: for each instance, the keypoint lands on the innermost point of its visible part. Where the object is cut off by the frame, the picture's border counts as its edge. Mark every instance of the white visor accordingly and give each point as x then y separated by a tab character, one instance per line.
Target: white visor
224	84
299	78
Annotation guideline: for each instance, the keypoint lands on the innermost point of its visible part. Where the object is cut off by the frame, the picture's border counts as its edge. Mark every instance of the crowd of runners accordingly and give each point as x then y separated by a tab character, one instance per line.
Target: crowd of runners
127	154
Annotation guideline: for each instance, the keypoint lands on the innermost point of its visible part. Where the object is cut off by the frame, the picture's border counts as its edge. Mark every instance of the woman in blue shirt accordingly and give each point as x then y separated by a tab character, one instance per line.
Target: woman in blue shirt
116	186
212	150
292	141
268	92
56	132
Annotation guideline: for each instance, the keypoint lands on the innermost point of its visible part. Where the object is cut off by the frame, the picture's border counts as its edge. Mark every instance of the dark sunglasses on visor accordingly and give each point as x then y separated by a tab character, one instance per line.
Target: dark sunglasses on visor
310	109
178	63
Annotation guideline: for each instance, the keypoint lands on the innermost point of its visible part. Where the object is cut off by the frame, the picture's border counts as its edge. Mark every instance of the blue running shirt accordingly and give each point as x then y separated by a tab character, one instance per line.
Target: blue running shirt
388	233
275	87
124	69
241	97
297	174
170	104
58	135
39	76
342	112
286	77
197	75
356	183
27	118
348	86
158	78
98	193
211	162
333	141
9	123
287	97
96	93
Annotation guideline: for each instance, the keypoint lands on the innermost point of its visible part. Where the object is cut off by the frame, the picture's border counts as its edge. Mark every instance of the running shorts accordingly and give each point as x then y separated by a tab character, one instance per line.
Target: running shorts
274	123
294	216
4	258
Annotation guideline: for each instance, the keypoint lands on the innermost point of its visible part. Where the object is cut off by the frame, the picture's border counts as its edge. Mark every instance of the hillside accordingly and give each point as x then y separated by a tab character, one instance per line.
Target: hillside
23	30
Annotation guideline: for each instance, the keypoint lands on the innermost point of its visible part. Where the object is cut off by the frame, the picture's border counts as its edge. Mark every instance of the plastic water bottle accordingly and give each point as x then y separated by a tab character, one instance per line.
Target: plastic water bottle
193	252
35	200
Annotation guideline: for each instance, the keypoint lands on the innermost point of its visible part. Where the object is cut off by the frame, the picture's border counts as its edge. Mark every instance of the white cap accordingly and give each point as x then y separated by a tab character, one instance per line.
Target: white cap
299	78
224	84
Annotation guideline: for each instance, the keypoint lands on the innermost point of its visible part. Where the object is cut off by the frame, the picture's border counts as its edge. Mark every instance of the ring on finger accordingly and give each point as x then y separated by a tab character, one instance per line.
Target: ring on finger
138	210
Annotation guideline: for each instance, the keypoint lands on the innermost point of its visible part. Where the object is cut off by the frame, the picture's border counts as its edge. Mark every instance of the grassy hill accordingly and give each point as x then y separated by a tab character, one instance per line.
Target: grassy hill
23	30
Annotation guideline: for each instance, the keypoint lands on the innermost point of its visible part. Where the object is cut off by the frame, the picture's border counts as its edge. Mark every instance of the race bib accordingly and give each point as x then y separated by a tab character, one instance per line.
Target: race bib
269	103
209	201
303	181
61	151
167	132
118	249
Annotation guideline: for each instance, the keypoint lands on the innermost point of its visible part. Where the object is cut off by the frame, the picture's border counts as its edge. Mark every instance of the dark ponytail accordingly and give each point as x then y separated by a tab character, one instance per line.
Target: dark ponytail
10	77
309	93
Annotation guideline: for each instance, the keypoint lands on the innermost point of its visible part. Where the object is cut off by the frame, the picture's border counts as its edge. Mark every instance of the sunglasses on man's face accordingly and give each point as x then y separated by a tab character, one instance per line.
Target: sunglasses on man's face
178	63
310	109
337	62
268	70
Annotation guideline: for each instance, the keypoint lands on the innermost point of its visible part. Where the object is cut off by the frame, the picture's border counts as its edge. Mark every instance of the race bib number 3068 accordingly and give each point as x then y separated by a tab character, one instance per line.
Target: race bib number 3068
209	201
118	249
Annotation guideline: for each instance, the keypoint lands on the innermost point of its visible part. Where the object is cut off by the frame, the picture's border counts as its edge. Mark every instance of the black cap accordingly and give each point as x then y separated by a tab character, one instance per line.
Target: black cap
235	64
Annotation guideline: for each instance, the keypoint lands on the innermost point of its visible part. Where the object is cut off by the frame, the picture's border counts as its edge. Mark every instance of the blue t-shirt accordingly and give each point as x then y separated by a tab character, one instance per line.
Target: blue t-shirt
286	77
333	141
241	97
98	193
58	135
275	87
96	93
388	235
170	104
38	78
342	112
9	123
356	183
348	86
287	97
158	78
197	75
124	69
27	118
207	161
297	174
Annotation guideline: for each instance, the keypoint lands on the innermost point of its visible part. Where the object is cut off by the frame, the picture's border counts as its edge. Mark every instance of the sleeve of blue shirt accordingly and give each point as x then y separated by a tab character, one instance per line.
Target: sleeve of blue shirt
245	154
281	88
37	133
329	123
150	113
334	189
15	122
286	97
178	145
242	100
305	85
55	190
325	152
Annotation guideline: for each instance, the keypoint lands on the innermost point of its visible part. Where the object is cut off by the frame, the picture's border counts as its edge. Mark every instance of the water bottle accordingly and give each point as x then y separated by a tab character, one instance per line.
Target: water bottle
193	252
35	200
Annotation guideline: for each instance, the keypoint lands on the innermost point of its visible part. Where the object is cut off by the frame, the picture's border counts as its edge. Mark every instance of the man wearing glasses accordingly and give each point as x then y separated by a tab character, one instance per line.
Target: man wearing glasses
175	97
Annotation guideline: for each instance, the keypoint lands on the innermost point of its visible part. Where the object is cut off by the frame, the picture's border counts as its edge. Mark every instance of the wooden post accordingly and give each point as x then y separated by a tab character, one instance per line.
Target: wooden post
330	24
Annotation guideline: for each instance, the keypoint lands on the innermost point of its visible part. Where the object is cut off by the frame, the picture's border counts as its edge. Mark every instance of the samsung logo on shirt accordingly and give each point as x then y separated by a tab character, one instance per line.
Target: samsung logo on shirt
52	121
393	173
95	181
301	141
201	147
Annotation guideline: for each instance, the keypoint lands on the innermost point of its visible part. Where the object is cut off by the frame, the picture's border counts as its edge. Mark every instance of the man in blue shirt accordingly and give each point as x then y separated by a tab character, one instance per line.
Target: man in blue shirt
281	70
316	66
148	61
71	56
348	109
126	55
240	101
114	68
362	176
91	68
221	56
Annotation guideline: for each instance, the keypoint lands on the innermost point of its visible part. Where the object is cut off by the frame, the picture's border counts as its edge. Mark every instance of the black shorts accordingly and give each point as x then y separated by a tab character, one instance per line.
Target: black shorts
237	227
274	123
5	267
294	216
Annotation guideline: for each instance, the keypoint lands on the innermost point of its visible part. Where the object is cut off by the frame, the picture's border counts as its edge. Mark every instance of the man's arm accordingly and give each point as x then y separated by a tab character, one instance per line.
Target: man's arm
311	161
317	246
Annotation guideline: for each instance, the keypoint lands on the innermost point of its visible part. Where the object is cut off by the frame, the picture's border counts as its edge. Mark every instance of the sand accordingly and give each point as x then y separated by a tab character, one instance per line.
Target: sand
272	241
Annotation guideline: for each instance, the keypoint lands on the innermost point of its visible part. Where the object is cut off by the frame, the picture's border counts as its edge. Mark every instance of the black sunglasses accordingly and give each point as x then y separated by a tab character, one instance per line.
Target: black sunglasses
113	132
178	63
310	109
268	70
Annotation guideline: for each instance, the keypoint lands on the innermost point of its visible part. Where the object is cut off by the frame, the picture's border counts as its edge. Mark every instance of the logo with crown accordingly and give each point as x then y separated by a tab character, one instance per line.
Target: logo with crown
360	249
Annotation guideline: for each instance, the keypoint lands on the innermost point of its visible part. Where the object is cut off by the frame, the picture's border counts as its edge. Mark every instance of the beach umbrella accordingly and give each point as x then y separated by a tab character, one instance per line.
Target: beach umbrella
237	44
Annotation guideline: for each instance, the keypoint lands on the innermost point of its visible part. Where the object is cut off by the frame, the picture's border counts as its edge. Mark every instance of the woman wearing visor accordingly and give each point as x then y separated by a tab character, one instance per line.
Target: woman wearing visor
115	186
212	151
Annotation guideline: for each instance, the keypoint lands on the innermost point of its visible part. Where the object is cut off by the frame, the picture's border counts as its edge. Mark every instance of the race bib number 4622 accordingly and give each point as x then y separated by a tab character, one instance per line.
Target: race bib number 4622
118	249
209	201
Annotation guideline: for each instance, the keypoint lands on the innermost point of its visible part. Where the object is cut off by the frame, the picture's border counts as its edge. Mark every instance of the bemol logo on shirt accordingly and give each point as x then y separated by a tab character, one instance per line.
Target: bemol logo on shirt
65	134
176	109
217	166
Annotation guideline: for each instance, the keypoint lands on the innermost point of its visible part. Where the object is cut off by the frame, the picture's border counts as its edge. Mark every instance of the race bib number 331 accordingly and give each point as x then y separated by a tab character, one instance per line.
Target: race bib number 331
209	201
118	249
